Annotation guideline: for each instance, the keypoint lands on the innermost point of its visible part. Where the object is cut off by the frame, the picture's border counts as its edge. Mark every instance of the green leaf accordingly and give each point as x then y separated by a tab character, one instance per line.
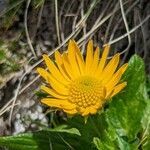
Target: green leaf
97	142
126	110
2	55
42	140
64	128
148	85
145	139
119	126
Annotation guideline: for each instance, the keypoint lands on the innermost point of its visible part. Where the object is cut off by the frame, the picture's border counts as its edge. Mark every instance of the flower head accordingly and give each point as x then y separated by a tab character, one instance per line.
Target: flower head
78	85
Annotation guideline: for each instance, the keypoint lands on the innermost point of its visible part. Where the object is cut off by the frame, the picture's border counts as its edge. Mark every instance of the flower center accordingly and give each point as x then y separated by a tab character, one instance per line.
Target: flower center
86	91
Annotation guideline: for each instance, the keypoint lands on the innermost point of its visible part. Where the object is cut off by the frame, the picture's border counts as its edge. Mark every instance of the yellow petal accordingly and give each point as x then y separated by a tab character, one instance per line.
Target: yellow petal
110	69
103	60
54	70
68	67
89	57
109	94
57	86
63	104
60	64
81	64
72	58
79	58
42	72
71	112
58	58
116	77
77	51
53	93
95	60
118	88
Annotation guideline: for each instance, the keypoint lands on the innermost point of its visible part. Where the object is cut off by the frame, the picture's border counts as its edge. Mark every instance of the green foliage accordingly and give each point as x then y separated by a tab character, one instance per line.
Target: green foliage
14	8
10	12
148	85
38	3
7	64
2	55
146	128
42	140
9	61
41	94
124	124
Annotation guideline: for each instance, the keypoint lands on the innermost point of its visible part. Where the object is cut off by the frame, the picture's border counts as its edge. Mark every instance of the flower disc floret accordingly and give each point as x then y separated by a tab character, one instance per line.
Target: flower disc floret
86	92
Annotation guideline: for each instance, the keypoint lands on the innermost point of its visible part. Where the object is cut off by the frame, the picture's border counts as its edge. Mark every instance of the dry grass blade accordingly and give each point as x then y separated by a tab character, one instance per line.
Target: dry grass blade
26	28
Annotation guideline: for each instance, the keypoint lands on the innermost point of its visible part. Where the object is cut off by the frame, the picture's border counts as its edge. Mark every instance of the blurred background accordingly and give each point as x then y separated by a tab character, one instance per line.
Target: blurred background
30	28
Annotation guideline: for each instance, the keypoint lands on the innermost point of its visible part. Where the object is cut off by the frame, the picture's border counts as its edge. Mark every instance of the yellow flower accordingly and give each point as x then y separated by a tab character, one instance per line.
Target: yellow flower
81	86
